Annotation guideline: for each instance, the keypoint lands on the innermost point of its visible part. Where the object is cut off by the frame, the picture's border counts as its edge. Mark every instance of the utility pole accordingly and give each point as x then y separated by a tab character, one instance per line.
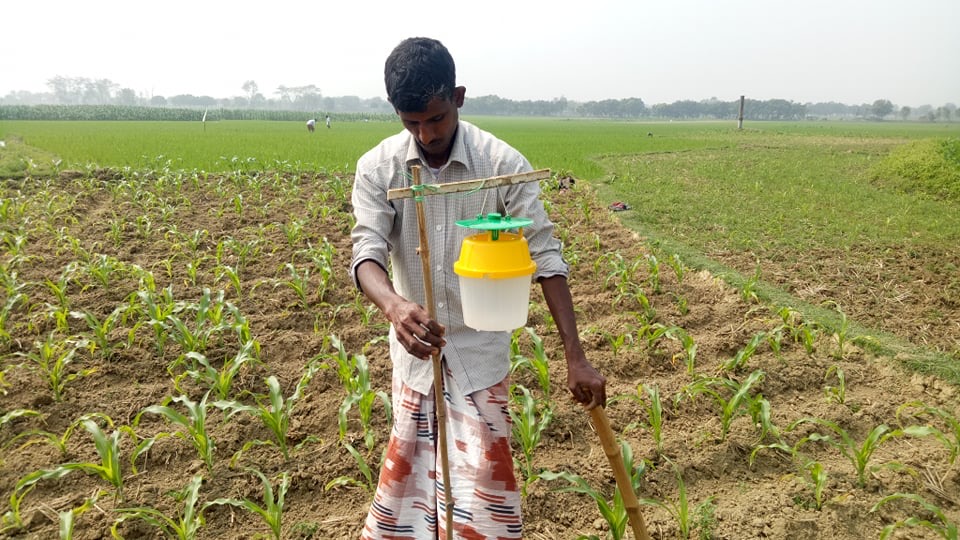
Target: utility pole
740	116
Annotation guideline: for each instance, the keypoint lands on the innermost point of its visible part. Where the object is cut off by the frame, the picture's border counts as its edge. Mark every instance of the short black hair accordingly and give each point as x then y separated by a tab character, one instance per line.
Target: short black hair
418	70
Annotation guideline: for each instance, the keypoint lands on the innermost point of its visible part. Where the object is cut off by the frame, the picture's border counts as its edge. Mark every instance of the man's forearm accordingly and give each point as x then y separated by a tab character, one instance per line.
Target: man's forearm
557	294
376	285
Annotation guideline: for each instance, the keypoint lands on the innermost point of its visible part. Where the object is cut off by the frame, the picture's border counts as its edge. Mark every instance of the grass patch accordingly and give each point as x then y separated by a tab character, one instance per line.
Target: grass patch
929	167
17	160
804	209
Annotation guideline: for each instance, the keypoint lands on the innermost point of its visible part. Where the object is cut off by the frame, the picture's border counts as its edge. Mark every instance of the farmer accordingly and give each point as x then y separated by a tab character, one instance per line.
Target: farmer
421	86
328	121
311	124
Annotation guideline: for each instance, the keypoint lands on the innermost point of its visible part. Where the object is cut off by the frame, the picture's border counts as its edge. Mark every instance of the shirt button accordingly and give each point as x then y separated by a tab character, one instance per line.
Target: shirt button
440	304
439	227
439	268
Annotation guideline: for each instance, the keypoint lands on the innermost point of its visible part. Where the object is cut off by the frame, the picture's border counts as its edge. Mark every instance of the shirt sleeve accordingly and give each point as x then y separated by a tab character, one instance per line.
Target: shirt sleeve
545	249
374	217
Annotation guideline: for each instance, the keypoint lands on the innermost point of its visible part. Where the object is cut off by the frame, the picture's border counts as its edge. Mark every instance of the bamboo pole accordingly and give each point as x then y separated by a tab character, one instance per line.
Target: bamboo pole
612	449
469	185
438	396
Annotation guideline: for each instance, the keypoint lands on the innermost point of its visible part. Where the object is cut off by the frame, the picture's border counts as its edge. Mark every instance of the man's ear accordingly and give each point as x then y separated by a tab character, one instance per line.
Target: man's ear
458	94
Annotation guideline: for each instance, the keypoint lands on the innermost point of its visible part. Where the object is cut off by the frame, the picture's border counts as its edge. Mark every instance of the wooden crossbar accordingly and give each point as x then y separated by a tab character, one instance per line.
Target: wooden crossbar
470	185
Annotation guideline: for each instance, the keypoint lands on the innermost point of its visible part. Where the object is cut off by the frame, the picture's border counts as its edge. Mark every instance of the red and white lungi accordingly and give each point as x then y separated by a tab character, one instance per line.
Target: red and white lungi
409	502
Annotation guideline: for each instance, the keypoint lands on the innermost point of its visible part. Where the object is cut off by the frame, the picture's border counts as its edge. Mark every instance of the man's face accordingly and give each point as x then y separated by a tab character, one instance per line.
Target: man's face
434	127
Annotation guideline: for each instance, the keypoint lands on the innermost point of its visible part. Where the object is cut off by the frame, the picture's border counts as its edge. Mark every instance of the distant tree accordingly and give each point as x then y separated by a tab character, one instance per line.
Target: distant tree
67	90
947	112
190	100
126	96
905	112
251	88
882	108
158	101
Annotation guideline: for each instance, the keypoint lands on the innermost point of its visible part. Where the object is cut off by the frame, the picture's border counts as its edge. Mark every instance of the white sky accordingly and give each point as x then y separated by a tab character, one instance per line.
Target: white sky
850	51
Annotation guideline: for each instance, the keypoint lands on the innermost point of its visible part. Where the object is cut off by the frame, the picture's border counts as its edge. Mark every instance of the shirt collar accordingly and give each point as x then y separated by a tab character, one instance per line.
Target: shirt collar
458	153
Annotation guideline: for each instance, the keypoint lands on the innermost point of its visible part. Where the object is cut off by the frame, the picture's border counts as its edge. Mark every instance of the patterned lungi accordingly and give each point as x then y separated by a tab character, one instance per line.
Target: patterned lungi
409	502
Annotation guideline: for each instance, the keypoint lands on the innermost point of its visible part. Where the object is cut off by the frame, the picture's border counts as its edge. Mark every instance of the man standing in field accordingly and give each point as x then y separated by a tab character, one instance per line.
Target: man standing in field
311	124
420	80
328	121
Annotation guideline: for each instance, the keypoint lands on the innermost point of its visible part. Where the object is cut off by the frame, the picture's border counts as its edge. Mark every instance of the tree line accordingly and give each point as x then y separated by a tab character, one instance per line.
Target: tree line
306	100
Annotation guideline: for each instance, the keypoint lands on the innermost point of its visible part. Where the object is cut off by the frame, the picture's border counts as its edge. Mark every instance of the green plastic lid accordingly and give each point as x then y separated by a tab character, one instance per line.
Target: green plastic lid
495	222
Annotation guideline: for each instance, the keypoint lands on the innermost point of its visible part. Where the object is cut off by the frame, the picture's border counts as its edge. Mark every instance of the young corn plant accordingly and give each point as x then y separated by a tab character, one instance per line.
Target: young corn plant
323	261
274	411
185	525
299	283
652	333
613	511
679	268
680	509
940	524
108	449
739	402
948	433
370	482
859	454
194	424
8	307
272	510
621	274
364	309
748	291
293	232
103	268
52	361
817	476
158	307
233	275
220	381
529	423
836	393
354	374
60	289
800	331
841	334
100	330
618	341
654	414
108	469
538	364
364	397
744	355
653	268
243	251
115	234
208	321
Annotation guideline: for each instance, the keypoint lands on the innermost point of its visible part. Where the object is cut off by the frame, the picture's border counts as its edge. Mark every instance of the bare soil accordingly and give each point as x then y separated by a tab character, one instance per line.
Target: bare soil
731	496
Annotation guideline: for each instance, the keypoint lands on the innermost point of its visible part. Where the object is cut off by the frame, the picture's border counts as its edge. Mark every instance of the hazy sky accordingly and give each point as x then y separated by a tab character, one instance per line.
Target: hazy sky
806	51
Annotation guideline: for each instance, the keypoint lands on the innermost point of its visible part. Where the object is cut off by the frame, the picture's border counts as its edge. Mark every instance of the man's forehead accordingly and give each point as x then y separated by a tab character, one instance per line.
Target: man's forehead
436	105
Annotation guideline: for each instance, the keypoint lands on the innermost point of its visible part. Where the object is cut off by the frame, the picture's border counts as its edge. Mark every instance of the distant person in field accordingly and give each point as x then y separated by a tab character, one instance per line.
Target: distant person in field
409	500
311	124
328	121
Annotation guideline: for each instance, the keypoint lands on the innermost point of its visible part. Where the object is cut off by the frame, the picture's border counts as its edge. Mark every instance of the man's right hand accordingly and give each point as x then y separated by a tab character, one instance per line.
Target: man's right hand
416	331
420	335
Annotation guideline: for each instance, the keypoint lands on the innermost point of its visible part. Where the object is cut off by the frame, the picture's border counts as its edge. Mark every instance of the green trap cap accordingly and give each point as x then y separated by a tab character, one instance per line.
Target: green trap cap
495	222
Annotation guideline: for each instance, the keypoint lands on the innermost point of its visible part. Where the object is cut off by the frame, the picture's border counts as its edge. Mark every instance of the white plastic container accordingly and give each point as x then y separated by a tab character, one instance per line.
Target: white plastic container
495	271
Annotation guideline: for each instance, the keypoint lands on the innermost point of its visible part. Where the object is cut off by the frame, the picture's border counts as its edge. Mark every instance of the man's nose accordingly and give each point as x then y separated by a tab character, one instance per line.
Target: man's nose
426	135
